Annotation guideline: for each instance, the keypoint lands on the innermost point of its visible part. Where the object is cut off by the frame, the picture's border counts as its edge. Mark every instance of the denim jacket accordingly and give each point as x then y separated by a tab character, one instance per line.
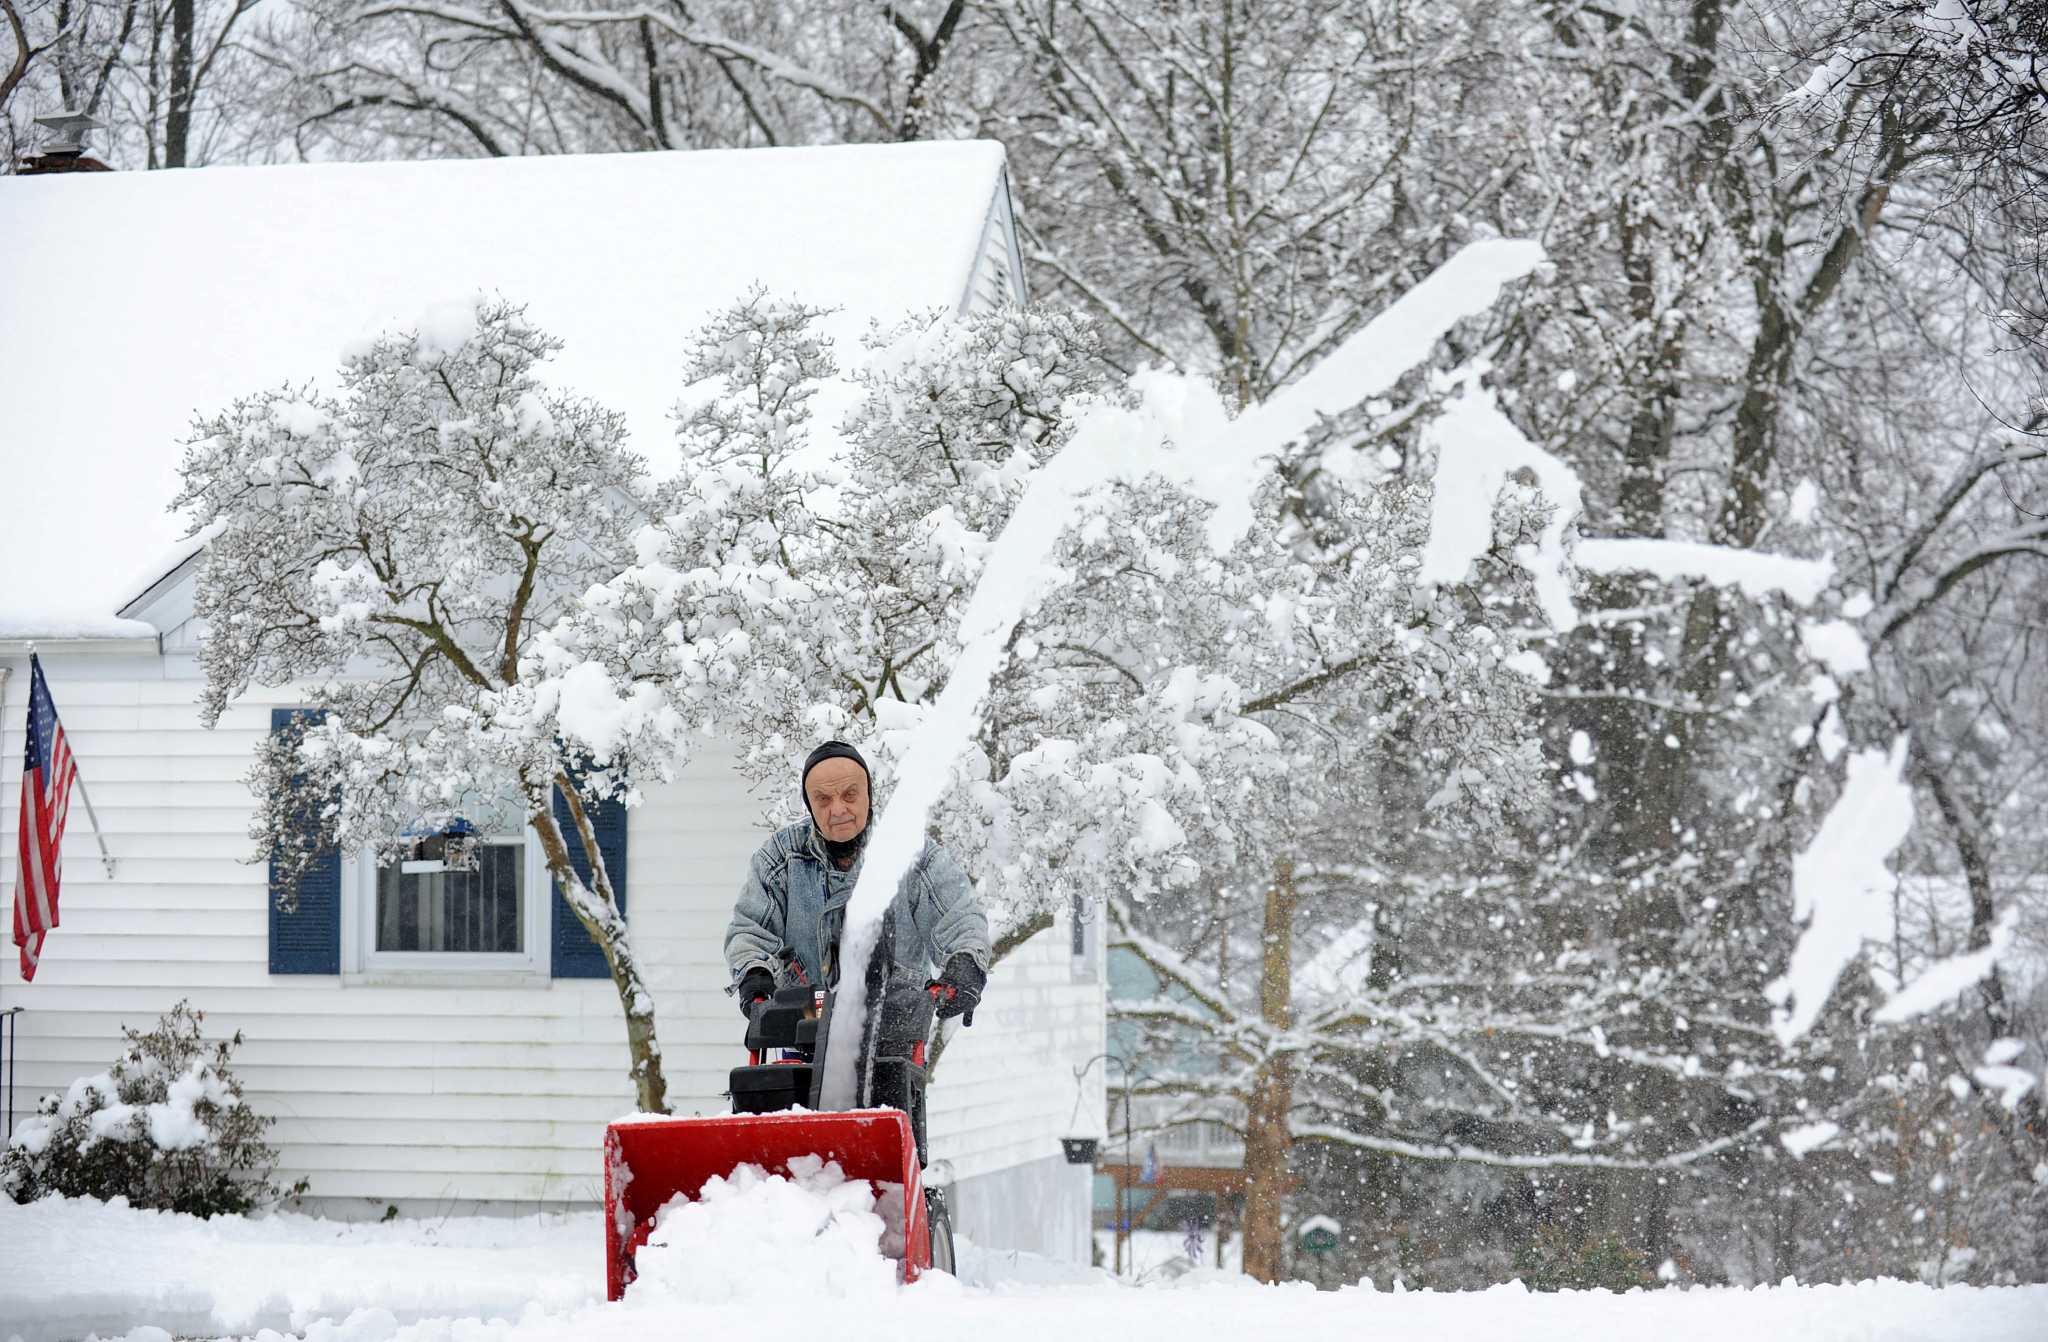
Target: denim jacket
794	897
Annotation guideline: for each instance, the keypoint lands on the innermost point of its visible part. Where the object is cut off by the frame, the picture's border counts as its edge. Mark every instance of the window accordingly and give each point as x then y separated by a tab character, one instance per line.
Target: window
430	906
435	917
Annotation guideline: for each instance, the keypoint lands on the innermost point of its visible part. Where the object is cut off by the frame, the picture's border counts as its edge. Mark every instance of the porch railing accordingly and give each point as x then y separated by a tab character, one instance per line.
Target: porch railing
10	1031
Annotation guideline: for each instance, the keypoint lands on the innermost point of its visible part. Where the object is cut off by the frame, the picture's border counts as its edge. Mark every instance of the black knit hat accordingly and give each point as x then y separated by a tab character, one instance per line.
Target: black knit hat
831	750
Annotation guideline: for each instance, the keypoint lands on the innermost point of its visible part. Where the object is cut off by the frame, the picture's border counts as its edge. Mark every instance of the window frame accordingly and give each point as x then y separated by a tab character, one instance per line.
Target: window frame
359	923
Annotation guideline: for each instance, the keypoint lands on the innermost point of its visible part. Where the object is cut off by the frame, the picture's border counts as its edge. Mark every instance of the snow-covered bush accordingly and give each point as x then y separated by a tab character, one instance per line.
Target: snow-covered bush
165	1127
1555	1259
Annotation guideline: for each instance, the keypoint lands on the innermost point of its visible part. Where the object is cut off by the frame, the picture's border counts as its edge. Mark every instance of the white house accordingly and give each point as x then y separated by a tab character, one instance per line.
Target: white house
437	1079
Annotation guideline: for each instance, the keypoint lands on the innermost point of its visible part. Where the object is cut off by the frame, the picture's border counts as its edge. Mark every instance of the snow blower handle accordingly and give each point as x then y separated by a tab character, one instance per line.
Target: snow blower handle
939	1000
957	989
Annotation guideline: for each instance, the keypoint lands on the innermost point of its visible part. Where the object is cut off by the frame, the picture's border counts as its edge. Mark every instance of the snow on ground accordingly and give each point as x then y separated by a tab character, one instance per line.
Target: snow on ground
1157	1256
146	1276
108	1268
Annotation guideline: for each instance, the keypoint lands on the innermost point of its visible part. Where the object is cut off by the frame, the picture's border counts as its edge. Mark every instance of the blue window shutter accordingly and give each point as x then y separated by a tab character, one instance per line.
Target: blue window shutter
307	941
576	956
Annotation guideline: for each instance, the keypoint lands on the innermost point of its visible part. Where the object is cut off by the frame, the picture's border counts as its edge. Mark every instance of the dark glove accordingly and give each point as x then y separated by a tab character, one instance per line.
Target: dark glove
957	989
756	985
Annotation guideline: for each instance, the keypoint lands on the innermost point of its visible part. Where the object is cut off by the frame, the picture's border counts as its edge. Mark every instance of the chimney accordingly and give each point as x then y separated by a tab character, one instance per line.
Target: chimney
64	150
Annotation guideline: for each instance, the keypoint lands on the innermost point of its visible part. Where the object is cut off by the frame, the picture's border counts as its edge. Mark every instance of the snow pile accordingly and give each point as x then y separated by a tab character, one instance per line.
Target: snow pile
762	1236
86	1095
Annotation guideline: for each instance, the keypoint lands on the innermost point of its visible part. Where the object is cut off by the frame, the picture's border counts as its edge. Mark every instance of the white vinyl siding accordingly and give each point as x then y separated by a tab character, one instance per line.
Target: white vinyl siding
436	1093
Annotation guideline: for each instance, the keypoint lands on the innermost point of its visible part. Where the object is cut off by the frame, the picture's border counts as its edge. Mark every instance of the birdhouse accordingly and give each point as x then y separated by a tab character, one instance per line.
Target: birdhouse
448	845
67	132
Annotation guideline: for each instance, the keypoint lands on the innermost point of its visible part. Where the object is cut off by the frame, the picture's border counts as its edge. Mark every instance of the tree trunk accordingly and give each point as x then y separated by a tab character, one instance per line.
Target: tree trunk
178	114
1268	1137
17	67
598	911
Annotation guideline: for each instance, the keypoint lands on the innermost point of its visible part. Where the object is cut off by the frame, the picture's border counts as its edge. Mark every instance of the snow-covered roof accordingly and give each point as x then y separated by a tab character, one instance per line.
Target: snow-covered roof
134	300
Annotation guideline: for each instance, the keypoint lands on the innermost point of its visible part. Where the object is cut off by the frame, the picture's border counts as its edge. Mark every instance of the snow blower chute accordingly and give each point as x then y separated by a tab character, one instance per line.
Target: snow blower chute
649	1161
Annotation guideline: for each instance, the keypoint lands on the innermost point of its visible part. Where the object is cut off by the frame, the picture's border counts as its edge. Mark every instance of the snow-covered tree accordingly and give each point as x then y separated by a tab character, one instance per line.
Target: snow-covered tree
370	76
1229	188
392	549
798	587
1152	704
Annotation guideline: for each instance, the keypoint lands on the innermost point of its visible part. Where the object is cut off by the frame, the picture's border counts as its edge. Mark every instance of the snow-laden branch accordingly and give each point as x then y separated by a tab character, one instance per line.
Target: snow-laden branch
775	66
580	67
1169	964
1212	456
1754	572
1479	449
1473	1155
1939	983
1840	885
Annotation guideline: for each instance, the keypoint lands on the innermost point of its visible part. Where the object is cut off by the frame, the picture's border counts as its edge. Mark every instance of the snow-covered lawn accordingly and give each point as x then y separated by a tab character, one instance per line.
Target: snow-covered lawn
75	1268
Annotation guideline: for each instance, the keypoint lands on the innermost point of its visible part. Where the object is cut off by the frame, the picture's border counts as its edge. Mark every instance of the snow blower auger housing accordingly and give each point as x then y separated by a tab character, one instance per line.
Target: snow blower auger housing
649	1161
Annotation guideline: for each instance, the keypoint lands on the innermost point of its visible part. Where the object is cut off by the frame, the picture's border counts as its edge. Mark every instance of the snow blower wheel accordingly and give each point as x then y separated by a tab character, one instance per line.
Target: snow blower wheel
940	1223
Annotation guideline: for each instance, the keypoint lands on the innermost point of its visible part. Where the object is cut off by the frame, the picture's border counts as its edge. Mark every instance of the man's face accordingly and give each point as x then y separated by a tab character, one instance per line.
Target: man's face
838	793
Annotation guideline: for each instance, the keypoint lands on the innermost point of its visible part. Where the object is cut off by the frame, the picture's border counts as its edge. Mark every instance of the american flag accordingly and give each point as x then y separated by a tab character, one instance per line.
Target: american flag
47	772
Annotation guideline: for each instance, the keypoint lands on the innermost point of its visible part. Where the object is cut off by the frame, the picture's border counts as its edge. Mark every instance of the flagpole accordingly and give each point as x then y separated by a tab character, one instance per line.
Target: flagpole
78	781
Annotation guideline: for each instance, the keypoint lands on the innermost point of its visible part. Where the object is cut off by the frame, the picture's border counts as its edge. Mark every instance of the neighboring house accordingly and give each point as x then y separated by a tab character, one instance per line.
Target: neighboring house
437	1077
1166	1159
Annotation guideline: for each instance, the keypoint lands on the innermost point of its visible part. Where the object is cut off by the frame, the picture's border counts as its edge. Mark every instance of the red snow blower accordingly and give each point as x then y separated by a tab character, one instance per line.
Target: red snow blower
649	1161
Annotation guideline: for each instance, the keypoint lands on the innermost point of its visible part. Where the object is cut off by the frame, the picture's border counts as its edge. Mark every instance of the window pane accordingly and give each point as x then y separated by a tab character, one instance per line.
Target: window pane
475	912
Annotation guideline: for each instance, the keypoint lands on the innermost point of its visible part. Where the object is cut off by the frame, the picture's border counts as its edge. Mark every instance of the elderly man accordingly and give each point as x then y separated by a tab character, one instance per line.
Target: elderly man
785	927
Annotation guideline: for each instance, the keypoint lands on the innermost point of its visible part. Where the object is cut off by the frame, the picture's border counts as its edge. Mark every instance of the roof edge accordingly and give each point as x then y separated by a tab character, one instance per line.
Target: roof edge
150	644
168	579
